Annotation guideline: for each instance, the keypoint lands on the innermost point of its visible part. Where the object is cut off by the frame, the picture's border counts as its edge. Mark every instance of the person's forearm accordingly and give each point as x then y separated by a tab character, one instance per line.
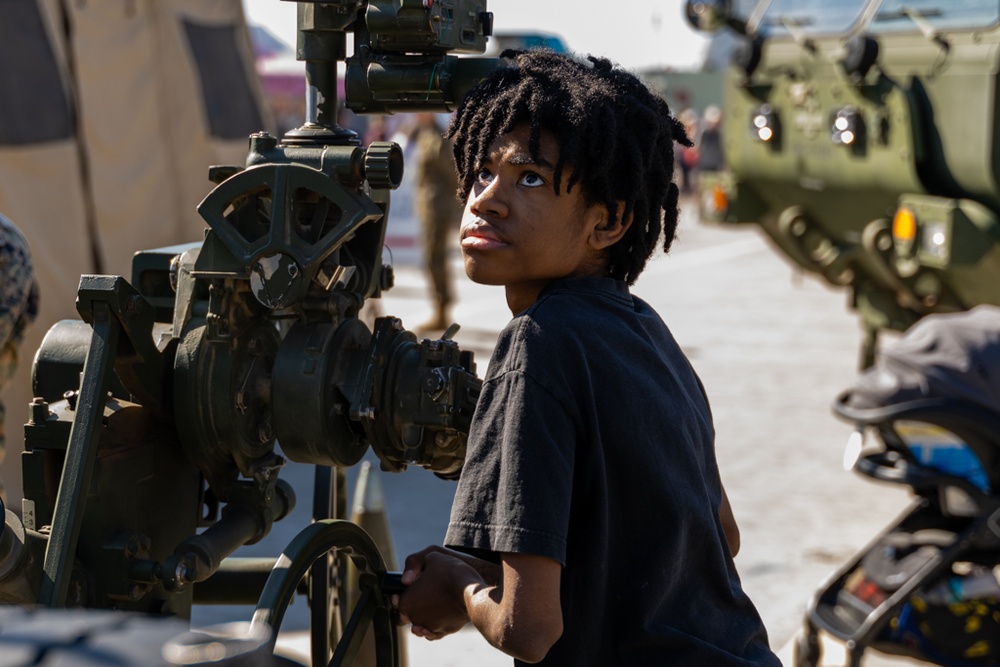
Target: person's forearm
515	605
523	630
485	607
490	572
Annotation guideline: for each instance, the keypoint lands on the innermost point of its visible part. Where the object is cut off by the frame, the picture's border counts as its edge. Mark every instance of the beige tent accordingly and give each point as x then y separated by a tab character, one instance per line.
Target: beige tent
111	113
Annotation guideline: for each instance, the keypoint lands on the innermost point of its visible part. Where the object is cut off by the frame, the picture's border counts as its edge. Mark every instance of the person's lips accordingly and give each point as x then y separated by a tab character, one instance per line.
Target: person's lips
481	237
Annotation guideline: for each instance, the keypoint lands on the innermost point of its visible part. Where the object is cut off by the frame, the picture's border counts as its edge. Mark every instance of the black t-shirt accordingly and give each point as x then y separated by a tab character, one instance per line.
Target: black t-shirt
592	444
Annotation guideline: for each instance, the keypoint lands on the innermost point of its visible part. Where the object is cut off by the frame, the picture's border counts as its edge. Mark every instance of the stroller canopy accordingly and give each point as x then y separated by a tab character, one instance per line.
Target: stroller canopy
954	355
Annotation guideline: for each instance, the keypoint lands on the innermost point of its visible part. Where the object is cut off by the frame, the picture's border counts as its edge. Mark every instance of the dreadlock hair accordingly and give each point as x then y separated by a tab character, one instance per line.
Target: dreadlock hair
616	136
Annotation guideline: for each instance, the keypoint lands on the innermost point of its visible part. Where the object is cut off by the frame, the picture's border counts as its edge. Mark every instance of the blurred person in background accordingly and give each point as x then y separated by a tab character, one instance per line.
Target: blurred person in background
710	154
438	210
18	308
687	156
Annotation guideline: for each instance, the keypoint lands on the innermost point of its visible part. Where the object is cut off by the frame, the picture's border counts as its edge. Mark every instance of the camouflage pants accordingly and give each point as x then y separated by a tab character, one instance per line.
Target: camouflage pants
440	230
18	306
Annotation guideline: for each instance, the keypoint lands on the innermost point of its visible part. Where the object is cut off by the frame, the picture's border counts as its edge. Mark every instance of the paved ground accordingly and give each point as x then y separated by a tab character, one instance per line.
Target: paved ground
773	349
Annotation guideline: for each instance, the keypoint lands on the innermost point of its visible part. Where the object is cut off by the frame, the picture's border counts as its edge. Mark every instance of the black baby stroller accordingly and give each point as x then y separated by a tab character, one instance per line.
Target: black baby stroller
927	587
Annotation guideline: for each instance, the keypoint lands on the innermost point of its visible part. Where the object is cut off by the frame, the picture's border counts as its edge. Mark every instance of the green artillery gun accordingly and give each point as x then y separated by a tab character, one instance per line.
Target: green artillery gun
151	448
861	136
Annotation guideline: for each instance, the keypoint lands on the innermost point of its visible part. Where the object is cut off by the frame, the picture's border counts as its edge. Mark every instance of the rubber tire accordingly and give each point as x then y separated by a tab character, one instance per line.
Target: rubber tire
42	637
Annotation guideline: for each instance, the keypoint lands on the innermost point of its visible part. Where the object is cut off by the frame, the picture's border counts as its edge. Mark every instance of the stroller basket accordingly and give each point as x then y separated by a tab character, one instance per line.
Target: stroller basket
925	587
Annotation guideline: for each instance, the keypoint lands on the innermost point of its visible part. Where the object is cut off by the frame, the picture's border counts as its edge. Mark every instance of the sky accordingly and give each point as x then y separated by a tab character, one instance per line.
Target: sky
642	34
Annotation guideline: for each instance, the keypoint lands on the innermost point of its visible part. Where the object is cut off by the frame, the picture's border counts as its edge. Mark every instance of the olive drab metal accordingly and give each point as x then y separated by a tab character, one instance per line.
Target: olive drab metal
861	136
151	451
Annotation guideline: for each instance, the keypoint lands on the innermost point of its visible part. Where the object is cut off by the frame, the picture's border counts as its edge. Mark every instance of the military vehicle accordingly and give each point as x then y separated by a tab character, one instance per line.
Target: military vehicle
152	447
861	136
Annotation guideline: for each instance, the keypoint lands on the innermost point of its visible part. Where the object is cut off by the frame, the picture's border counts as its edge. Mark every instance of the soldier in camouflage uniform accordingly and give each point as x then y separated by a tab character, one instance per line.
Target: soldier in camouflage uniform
18	306
439	211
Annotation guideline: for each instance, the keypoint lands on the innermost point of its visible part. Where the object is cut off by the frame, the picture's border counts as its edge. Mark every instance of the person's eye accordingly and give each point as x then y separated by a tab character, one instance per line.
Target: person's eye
531	180
484	176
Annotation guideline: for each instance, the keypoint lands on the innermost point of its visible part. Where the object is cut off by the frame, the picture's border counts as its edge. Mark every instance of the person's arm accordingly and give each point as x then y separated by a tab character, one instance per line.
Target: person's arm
729	524
515	605
522	616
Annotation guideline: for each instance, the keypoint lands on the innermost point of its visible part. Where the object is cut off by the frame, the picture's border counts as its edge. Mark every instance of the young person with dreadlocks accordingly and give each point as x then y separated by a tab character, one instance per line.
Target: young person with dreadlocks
589	526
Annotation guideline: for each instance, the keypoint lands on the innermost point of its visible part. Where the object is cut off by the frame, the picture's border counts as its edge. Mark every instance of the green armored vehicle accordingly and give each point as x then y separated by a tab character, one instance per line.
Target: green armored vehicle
861	136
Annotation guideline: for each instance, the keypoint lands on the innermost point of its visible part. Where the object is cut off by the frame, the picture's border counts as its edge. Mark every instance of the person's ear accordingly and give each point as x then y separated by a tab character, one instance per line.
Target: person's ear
607	231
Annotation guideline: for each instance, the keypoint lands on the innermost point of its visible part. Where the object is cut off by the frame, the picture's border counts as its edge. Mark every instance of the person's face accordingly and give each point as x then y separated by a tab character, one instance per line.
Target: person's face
518	232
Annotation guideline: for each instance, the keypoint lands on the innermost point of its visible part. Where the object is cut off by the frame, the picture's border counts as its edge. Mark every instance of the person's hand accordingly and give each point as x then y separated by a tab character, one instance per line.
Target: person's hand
433	601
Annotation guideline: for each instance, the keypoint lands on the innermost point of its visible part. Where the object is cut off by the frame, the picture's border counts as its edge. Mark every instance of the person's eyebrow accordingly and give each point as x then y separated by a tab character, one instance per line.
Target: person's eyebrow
521	159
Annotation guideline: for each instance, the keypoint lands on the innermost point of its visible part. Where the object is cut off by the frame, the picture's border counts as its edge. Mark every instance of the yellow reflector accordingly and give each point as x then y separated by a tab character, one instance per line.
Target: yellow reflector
904	225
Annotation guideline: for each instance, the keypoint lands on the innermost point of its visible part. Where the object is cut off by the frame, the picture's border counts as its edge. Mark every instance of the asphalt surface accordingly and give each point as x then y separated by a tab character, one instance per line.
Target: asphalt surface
773	348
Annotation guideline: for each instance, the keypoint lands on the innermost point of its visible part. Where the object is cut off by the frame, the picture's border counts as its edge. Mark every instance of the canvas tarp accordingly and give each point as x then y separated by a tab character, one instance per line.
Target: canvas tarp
110	115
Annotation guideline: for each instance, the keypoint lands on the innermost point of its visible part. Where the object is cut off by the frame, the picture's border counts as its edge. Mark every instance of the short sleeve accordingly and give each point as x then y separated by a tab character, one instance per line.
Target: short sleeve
515	490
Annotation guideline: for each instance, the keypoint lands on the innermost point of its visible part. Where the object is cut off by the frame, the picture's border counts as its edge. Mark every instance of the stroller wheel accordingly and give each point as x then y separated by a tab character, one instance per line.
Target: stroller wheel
807	652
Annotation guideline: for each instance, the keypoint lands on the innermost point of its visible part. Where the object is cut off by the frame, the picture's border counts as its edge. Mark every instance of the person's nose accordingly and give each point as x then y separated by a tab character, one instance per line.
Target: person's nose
490	201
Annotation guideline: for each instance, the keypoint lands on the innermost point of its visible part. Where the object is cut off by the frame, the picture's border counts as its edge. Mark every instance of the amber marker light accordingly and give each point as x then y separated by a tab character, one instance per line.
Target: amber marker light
720	200
904	225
